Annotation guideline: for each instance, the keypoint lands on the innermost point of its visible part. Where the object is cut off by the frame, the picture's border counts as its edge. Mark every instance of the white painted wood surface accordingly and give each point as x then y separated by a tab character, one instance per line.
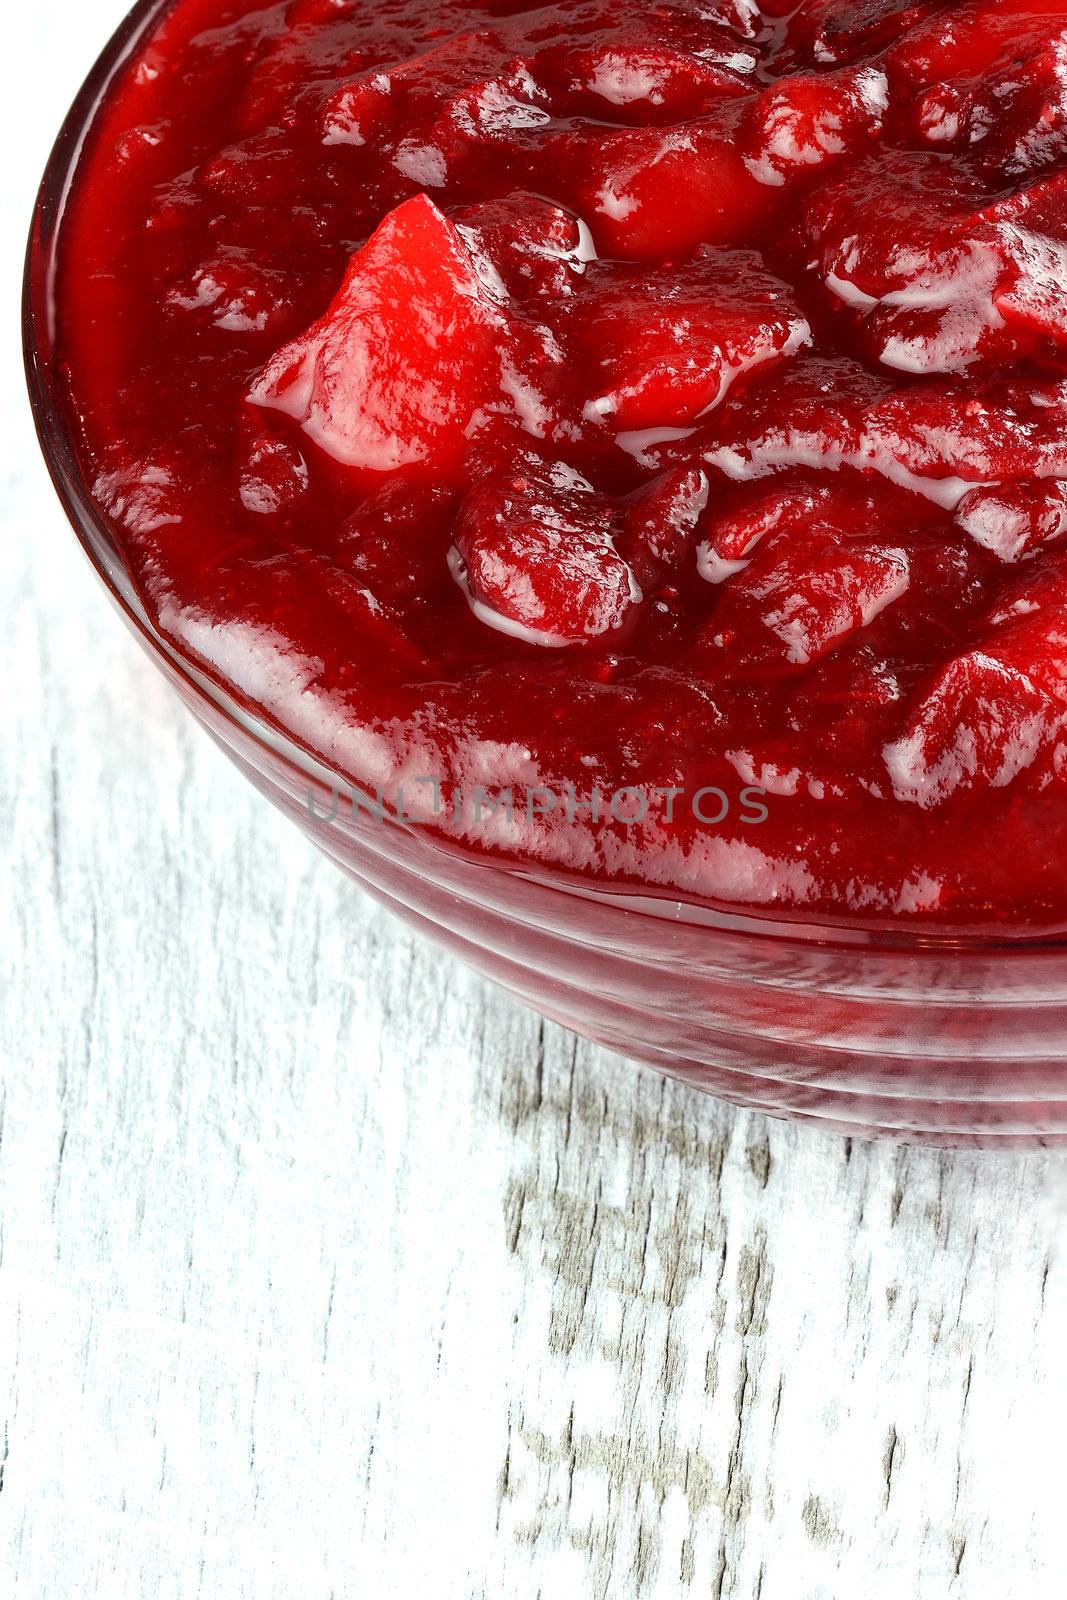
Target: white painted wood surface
325	1271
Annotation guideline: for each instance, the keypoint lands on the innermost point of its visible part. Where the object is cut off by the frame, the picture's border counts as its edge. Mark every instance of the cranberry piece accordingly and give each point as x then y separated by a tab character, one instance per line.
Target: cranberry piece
741	16
396	543
393	374
284	91
235	293
989	83
537	558
360	111
736	533
1015	520
667	345
143	496
660	530
841	507
273	475
504	109
1027	627
980	723
537	249
969	40
856	691
900	245
937	439
797	602
639	81
850	28
434	110
813	416
280	599
1031	227
255	172
806	122
651	193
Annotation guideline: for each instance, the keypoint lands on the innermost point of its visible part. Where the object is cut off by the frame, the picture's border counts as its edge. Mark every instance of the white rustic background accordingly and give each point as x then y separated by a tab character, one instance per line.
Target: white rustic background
325	1271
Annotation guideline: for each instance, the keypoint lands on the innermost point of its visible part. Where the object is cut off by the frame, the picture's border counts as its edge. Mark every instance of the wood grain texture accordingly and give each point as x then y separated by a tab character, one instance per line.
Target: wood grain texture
326	1271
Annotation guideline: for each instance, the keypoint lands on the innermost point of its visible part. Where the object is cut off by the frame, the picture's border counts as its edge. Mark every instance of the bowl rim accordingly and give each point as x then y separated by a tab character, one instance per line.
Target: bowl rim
54	436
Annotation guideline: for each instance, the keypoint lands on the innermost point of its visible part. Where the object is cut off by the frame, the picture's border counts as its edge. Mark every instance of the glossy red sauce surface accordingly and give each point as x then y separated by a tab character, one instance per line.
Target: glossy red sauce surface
609	396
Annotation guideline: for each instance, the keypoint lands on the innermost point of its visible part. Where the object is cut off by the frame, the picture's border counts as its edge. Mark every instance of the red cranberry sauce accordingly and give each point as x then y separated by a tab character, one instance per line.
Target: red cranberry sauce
569	399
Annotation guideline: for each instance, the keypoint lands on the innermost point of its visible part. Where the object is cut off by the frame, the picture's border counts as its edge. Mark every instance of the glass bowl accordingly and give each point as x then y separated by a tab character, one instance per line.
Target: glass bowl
919	1038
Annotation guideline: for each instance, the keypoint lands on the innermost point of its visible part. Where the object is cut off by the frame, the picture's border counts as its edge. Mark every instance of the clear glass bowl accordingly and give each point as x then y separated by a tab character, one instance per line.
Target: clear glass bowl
918	1038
